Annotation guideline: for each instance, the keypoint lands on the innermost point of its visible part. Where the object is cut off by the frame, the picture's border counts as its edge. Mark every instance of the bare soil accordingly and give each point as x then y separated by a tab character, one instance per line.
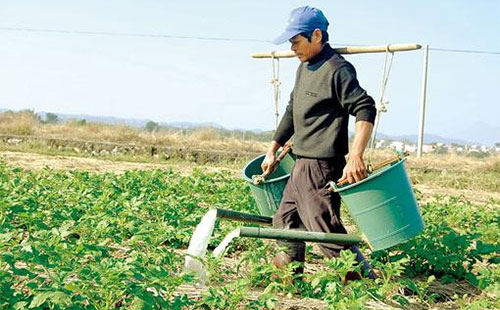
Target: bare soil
34	161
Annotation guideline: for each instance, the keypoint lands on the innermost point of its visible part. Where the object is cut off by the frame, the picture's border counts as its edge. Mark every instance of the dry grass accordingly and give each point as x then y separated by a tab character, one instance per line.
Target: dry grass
454	172
26	123
455	162
18	123
90	132
444	172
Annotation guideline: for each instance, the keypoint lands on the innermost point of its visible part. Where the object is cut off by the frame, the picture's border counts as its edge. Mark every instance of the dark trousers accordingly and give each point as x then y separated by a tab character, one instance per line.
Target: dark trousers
308	205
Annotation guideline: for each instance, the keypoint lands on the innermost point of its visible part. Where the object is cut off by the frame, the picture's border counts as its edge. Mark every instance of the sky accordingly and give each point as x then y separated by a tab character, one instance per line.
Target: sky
187	80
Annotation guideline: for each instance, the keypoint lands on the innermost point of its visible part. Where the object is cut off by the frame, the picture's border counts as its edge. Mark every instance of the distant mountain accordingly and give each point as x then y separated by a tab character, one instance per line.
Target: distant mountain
135	122
187	125
99	119
428	139
480	132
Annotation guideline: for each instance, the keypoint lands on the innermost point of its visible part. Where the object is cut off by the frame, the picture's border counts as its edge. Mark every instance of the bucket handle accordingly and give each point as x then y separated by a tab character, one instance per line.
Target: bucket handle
390	161
334	187
258	179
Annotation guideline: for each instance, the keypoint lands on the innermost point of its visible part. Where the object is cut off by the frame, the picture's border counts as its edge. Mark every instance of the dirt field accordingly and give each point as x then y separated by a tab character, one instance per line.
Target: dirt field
34	161
39	161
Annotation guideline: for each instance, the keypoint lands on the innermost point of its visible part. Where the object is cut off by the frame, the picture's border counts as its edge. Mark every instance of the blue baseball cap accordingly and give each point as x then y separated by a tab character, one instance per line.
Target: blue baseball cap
303	19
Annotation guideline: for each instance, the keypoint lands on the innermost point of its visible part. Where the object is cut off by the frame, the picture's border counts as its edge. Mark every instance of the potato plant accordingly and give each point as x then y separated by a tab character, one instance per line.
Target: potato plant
79	240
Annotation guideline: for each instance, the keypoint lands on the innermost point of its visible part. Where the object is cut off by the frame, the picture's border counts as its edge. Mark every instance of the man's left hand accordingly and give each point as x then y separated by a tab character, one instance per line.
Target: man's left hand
354	170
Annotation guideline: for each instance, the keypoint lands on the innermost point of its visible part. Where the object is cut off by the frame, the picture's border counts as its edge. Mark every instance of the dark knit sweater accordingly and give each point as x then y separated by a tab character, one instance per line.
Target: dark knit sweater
326	91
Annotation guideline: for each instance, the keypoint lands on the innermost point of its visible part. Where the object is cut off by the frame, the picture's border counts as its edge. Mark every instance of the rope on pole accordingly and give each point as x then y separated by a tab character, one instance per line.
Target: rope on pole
382	104
276	86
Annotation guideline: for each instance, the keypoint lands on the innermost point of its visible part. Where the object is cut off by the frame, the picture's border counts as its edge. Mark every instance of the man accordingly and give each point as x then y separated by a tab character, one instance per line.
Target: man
326	91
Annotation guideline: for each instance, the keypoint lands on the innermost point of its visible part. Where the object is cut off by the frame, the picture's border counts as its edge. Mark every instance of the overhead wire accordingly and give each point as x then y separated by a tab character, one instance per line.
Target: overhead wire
463	51
220	39
129	34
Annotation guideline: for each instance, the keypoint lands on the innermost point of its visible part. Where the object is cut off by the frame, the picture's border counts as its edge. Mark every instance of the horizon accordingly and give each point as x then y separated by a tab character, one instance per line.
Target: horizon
140	122
172	79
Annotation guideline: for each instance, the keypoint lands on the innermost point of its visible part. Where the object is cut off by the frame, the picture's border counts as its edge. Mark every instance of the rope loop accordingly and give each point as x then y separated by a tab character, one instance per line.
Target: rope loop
275	81
382	104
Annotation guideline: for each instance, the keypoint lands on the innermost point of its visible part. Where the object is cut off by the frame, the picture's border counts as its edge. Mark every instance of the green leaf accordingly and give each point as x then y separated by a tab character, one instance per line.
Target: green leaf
39	299
57	297
20	271
401	300
60	298
8	258
5	237
32	285
20	305
71	286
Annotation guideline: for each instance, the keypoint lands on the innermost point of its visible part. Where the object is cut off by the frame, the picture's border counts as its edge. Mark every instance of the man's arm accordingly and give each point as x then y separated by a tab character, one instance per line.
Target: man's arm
355	169
283	133
357	102
352	97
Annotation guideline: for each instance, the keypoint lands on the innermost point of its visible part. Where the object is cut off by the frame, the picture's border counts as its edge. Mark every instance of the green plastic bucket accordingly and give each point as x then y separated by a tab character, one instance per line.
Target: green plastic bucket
384	206
268	194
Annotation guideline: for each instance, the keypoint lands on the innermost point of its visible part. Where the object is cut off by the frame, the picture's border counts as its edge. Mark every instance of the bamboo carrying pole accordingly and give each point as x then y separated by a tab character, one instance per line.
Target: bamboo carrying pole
244	217
348	50
297	235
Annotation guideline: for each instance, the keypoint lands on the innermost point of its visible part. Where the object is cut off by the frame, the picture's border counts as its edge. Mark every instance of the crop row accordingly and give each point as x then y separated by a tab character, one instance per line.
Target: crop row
77	240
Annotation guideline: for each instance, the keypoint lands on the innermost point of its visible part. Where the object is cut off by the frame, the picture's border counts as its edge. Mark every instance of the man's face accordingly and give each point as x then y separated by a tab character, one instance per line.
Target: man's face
304	49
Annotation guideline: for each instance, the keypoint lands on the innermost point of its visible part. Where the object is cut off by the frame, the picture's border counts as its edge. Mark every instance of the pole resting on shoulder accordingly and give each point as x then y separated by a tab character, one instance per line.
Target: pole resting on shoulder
348	50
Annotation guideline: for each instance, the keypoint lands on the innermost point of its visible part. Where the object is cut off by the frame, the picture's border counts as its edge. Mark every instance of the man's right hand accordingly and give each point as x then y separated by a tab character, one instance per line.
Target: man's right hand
270	161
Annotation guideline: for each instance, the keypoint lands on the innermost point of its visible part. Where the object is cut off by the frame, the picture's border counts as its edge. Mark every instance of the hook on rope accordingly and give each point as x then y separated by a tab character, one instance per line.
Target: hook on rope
382	106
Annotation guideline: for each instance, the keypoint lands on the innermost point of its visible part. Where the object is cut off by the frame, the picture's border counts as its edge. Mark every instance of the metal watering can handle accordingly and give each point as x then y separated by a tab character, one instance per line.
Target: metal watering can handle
334	187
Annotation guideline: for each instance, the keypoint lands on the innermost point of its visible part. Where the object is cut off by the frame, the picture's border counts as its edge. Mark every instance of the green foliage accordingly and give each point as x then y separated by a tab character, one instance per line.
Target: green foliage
51	118
81	122
151	126
77	240
456	236
421	289
329	284
94	241
229	296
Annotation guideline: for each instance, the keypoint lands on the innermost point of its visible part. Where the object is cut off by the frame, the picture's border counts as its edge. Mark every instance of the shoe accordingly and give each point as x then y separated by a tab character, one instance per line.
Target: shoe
281	260
351	276
366	268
